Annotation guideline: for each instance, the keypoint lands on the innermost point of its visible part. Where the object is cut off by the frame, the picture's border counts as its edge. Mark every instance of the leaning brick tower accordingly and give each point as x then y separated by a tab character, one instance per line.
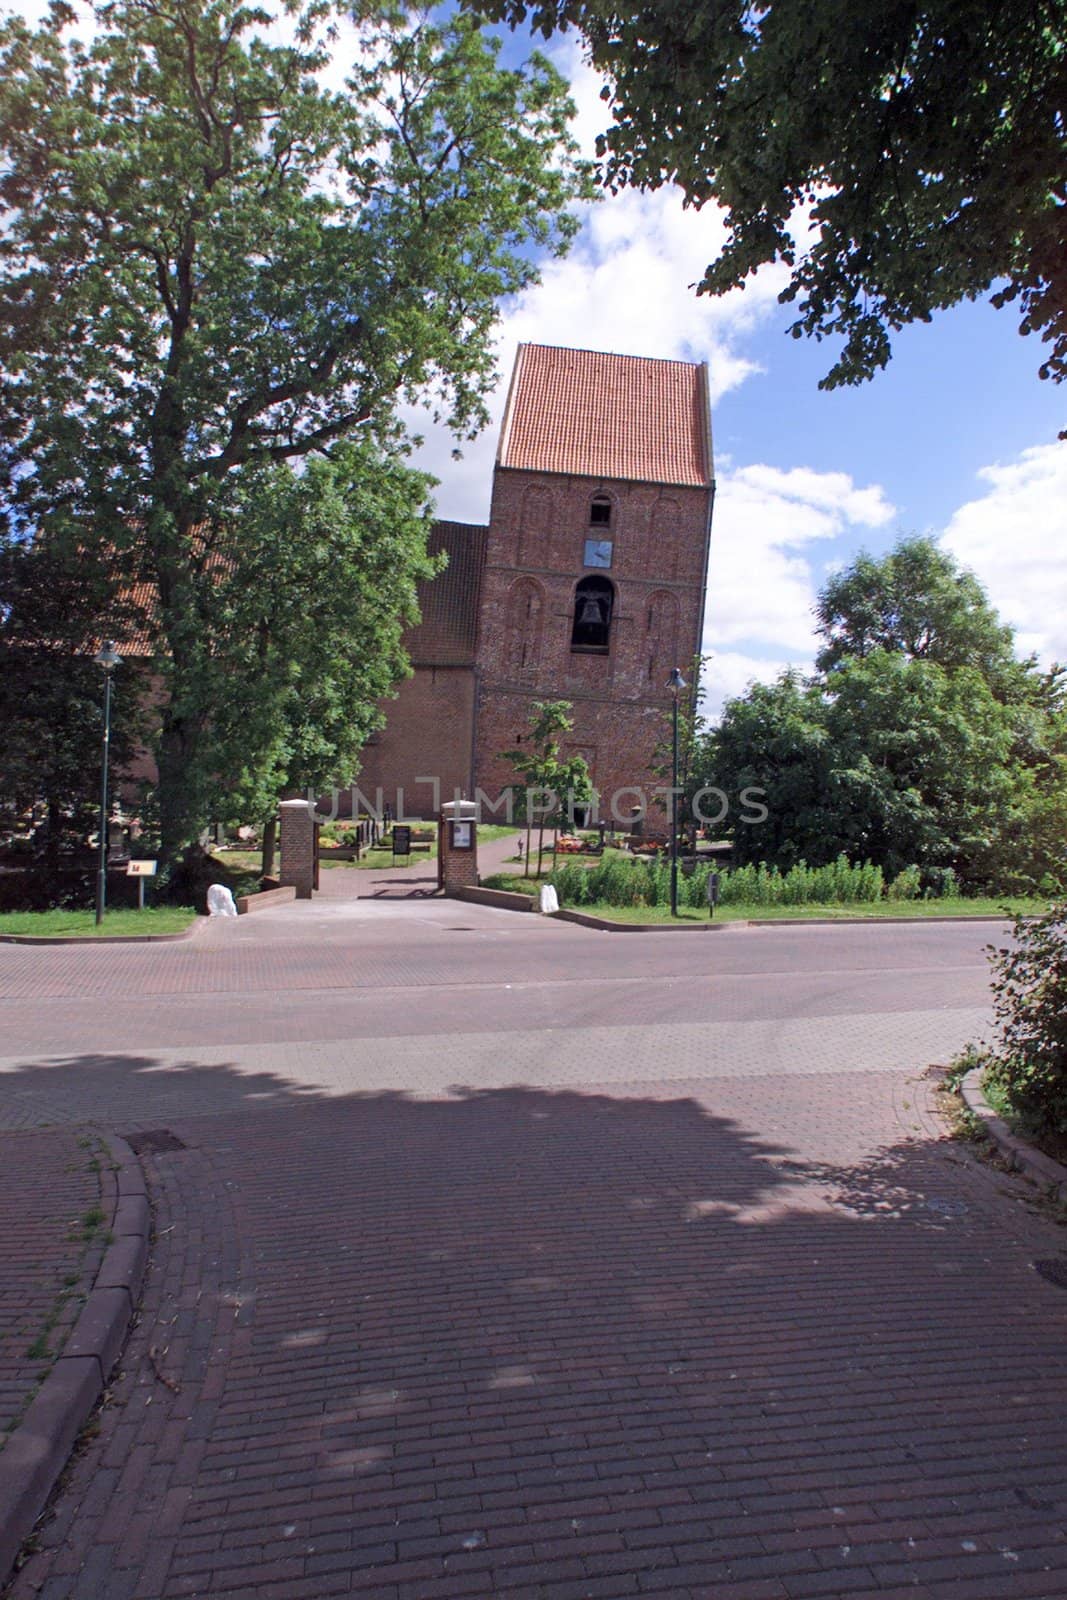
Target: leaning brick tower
596	558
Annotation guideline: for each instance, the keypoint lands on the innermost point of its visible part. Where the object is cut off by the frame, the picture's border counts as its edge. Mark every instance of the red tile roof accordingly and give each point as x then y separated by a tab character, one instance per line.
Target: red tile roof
607	416
448	633
138	635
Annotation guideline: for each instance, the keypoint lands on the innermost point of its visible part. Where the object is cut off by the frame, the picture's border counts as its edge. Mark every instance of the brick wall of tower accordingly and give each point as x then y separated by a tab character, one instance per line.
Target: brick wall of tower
535	558
428	733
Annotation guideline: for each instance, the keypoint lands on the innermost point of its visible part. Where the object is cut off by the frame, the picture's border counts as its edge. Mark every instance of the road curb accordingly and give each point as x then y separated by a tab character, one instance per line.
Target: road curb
1047	1175
892	922
197	926
38	1449
585	919
505	901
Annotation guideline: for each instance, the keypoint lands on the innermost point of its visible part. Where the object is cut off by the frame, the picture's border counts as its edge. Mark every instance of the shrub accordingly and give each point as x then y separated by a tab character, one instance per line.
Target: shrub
907	885
617	881
940	883
1029	1063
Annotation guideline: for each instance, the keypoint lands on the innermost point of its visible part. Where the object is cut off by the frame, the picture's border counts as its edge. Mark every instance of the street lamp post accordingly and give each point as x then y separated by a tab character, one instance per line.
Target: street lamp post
675	683
107	660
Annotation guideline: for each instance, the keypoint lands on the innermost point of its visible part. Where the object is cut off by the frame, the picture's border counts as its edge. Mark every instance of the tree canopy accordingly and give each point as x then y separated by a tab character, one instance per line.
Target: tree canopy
212	265
899	157
918	602
921	740
51	693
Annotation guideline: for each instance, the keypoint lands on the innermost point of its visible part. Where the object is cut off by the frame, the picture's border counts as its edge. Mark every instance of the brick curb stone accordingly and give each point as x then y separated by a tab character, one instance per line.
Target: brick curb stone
1049	1176
38	1449
503	899
247	903
585	919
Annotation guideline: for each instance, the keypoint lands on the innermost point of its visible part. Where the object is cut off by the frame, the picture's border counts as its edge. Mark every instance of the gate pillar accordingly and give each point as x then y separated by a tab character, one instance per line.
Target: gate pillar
457	846
297	838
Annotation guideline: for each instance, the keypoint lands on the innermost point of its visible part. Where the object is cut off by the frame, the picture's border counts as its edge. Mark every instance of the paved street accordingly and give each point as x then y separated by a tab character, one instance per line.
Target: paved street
505	1257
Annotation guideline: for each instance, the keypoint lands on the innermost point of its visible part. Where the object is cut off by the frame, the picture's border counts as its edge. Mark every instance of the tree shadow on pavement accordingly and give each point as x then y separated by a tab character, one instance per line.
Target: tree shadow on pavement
563	1344
115	1089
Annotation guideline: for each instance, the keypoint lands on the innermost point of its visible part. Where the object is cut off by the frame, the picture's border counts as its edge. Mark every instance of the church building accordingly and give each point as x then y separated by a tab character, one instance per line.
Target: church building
587	585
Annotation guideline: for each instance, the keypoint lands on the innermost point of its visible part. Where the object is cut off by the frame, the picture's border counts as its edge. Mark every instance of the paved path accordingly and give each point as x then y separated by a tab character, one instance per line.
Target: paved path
507	1258
50	1248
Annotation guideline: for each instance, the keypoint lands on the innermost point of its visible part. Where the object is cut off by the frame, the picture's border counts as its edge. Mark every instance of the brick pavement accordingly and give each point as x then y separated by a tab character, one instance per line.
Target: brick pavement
684	1294
755	1340
339	970
50	1184
152	1086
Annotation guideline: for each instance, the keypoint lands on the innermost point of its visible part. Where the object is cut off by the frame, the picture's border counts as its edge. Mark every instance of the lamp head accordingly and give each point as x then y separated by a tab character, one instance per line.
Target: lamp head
675	683
108	658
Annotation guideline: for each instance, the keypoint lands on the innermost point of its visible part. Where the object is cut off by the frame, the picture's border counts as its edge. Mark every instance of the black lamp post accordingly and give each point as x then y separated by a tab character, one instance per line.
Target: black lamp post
675	683
107	660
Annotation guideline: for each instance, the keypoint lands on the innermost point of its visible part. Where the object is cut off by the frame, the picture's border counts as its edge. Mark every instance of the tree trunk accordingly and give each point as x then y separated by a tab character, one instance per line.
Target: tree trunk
270	840
52	844
179	824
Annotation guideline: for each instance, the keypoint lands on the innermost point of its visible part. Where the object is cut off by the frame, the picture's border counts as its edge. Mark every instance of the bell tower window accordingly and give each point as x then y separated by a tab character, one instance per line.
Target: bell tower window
600	511
594	602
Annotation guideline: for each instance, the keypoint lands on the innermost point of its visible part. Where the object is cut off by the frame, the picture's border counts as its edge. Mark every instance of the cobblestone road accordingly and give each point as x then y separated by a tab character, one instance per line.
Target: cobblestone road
653	1274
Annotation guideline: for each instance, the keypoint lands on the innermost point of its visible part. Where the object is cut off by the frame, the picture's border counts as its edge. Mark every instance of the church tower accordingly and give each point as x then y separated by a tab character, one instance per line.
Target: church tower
596	558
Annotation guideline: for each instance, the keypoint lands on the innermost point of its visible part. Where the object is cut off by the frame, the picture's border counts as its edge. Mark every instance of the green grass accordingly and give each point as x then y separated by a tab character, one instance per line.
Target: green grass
913	910
82	924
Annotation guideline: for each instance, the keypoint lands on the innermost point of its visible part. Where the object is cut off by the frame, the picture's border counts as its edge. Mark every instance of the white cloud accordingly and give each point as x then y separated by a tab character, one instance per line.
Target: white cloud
730	673
762	571
1015	538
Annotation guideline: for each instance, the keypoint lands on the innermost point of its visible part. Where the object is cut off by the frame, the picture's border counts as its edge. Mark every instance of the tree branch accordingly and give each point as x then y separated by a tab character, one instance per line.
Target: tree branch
237	447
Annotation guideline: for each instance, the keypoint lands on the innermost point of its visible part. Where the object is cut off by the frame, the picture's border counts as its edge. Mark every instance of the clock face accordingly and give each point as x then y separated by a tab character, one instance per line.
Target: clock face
598	552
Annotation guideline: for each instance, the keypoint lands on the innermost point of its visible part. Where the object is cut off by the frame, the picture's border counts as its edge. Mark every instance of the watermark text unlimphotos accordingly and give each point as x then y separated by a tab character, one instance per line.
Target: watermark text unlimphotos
524	806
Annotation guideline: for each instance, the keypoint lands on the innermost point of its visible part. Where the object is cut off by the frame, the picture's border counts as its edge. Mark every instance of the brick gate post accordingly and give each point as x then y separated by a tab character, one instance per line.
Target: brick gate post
458	845
297	841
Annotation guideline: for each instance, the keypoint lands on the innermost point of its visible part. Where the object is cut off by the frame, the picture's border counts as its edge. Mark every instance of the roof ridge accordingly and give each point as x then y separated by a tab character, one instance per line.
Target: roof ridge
613	355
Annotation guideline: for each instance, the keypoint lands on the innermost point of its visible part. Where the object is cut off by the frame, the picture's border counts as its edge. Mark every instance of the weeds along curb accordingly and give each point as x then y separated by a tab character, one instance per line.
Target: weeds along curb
38	1449
1047	1175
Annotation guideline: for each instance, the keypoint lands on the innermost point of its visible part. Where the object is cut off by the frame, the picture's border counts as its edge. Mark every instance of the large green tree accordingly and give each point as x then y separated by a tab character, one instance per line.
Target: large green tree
773	739
313	582
212	263
921	739
918	602
898	157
